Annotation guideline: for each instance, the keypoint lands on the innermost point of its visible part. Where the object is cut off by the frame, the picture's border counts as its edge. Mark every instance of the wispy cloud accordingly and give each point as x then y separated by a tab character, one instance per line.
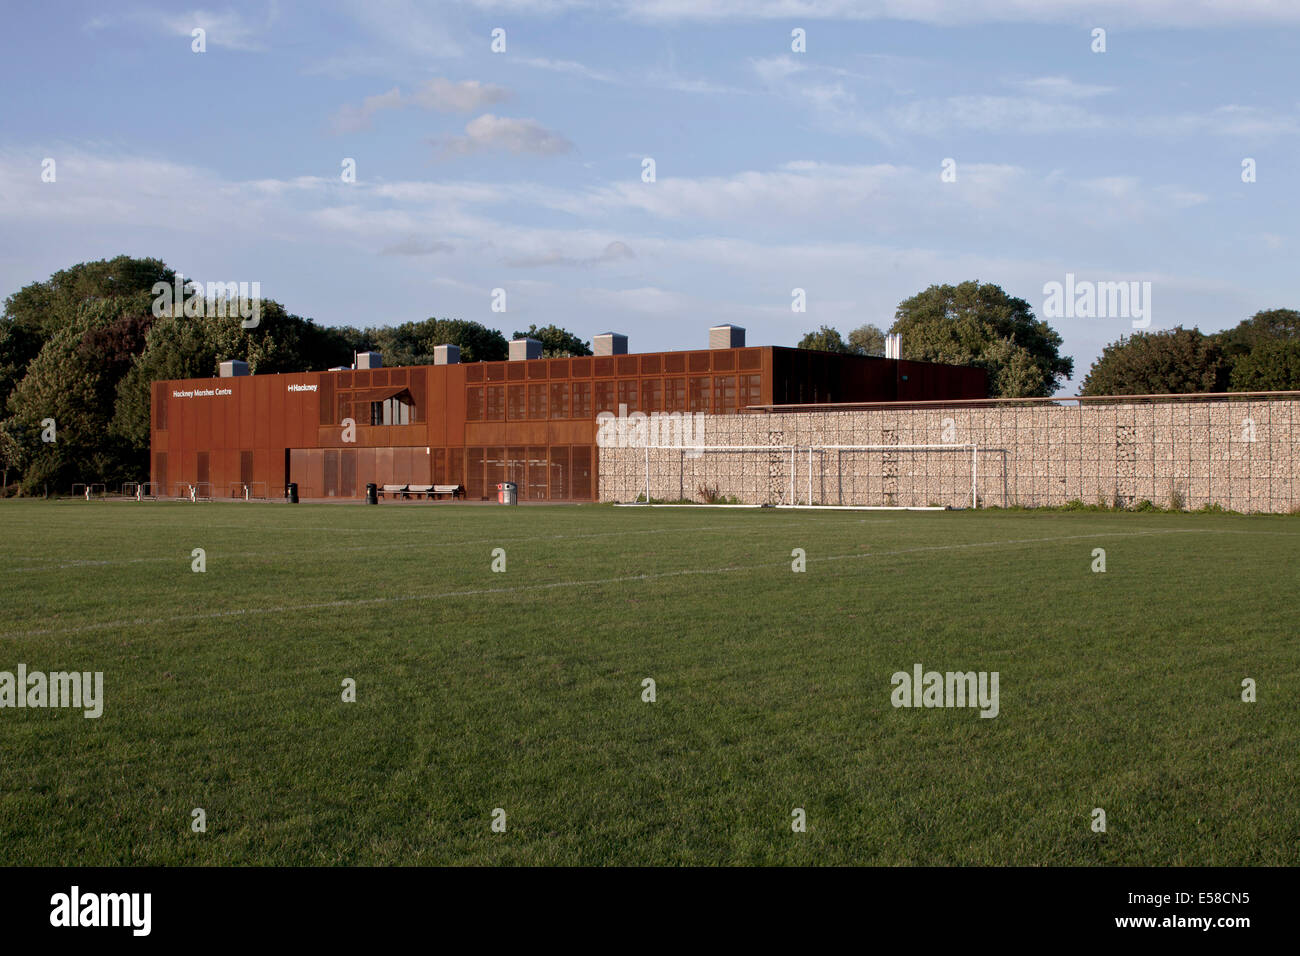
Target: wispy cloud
416	247
570	67
438	94
613	252
226	28
1061	87
1178	13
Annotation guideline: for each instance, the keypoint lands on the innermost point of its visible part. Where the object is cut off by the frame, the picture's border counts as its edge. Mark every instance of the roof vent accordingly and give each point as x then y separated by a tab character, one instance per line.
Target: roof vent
369	360
726	337
894	346
609	343
525	348
233	367
446	355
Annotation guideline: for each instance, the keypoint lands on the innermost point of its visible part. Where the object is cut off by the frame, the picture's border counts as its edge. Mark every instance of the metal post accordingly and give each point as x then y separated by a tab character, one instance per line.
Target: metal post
792	501
810	453
974	476
647	473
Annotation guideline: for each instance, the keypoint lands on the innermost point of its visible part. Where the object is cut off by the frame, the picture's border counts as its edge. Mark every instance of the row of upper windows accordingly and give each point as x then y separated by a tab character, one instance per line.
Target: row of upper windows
696	393
604	366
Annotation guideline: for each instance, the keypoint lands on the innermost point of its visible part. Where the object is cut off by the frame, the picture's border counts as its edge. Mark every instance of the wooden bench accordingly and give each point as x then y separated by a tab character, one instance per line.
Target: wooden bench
421	491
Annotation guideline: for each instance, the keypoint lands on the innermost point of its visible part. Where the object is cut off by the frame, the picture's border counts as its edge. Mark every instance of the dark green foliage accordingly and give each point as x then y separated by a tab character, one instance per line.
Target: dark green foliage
1262	354
979	324
83	347
556	342
824	340
1174	361
412	343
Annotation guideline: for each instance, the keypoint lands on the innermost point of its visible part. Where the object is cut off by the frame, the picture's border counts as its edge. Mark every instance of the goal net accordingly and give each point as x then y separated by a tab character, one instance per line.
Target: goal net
844	476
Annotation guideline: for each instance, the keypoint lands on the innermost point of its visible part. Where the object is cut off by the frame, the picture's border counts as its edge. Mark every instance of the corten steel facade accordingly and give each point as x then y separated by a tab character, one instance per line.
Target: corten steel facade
531	421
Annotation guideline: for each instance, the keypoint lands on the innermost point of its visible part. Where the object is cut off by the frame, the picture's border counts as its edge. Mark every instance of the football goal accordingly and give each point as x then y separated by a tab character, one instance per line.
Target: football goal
828	476
193	490
247	491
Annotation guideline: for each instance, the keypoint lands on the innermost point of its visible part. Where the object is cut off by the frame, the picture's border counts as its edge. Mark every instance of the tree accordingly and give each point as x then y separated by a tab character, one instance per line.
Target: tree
979	324
1169	362
38	310
1270	367
71	383
867	340
824	340
180	347
556	342
84	347
412	343
1264	352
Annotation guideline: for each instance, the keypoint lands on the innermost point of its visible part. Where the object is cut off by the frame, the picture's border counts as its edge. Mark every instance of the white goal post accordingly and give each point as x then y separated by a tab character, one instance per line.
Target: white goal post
829	476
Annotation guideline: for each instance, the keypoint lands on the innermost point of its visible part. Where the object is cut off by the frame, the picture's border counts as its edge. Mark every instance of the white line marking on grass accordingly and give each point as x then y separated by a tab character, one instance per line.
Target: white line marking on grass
596	582
384	547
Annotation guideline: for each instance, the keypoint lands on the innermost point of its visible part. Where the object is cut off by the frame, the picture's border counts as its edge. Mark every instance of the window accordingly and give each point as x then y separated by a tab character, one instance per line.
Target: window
518	402
581	400
392	411
724	393
651	394
494	409
627	392
699	393
160	411
605	397
559	399
674	394
474	404
536	401
750	390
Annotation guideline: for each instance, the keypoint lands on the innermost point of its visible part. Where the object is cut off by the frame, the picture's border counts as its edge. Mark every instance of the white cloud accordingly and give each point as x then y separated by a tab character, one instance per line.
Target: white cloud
858	238
438	94
488	133
466	96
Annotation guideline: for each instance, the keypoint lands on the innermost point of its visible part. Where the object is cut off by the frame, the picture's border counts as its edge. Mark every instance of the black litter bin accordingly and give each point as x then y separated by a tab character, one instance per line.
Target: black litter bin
292	492
372	493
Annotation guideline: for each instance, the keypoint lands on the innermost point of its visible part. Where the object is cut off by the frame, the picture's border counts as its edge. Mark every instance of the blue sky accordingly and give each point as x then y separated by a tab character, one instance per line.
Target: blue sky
775	169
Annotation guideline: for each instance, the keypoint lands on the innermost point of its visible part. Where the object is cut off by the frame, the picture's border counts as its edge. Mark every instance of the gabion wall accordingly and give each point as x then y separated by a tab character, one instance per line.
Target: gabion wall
1236	454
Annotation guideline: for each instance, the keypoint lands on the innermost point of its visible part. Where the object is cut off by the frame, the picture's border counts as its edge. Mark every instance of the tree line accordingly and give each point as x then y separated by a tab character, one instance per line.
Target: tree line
981	325
79	350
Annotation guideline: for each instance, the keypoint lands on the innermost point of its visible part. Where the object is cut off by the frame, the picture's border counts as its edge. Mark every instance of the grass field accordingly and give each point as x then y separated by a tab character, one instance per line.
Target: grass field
523	690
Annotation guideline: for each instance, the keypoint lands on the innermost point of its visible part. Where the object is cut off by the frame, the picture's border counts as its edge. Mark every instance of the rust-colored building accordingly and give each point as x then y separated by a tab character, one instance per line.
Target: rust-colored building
531	421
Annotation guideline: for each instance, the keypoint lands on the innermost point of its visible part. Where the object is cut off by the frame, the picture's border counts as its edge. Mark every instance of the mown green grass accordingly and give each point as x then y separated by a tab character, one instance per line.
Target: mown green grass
479	690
